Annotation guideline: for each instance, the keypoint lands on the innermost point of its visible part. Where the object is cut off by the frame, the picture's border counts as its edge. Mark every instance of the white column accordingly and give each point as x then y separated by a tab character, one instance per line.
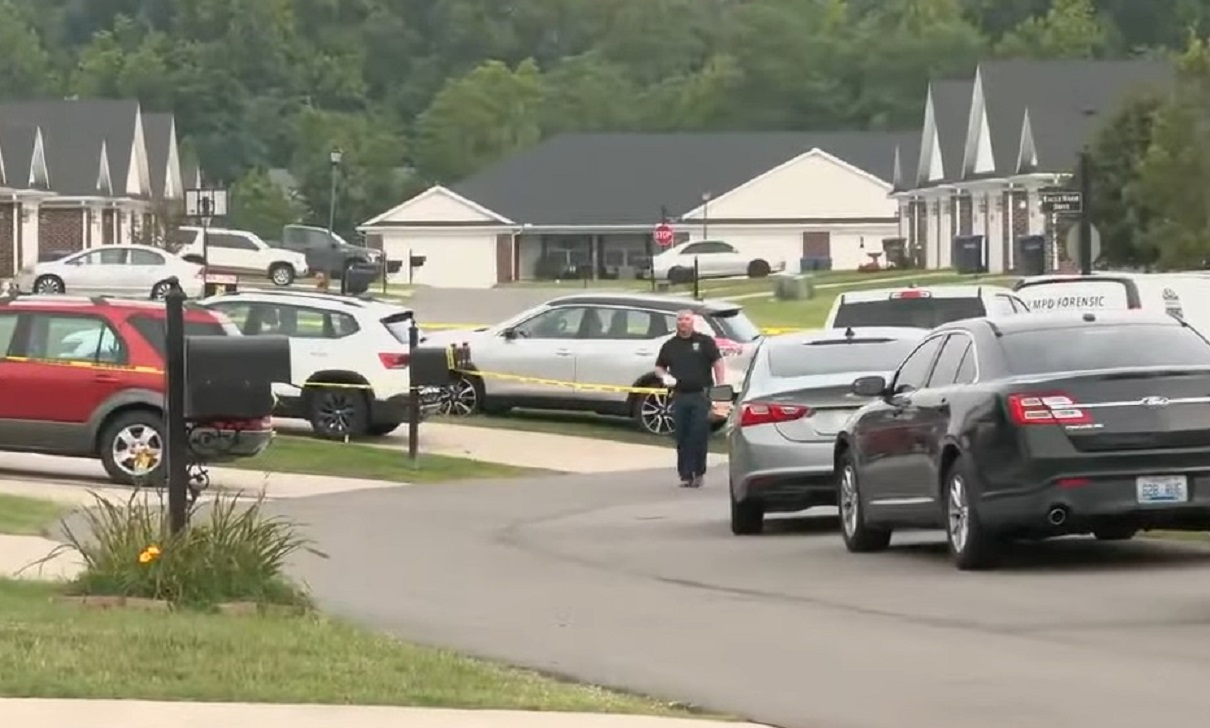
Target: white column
29	232
995	232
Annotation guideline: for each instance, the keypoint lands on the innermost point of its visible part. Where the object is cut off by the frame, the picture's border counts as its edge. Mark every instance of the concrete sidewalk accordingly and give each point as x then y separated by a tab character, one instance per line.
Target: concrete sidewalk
145	714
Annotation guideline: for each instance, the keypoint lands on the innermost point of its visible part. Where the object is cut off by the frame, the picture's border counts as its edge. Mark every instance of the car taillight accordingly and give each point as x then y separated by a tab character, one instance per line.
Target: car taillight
911	293
765	413
1051	408
727	347
394	360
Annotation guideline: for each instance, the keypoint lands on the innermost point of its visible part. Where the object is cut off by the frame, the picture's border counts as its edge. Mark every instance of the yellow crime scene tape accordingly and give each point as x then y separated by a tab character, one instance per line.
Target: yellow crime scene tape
770	330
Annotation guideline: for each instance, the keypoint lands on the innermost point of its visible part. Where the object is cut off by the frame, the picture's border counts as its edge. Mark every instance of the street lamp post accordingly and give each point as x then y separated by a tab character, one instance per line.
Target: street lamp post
334	158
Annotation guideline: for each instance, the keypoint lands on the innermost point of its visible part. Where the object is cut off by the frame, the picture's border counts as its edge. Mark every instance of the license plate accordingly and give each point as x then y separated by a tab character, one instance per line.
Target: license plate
1162	489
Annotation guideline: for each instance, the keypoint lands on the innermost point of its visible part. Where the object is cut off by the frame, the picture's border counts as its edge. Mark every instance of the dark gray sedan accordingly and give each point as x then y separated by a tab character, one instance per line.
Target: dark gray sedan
796	397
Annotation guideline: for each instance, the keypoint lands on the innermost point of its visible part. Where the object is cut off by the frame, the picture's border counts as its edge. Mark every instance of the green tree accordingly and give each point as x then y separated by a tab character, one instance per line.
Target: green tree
478	118
589	93
25	65
259	204
1174	175
1071	29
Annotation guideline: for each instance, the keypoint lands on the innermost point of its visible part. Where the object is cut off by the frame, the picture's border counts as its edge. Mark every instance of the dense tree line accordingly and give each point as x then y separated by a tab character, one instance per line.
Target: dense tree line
421	91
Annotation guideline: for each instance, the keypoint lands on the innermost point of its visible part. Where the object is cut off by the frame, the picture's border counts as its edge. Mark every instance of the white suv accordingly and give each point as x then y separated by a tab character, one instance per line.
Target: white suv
349	357
239	251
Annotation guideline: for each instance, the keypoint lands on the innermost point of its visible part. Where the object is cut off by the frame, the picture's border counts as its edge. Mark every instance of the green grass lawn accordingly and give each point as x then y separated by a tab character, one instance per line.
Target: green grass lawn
21	516
57	650
293	454
574	424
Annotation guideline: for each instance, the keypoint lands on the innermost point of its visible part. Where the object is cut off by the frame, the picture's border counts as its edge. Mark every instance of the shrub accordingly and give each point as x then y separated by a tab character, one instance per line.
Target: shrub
231	551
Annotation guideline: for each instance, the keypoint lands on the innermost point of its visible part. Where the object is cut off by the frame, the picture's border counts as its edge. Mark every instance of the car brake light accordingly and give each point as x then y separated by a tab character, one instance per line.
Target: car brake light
394	360
727	347
765	413
1053	408
911	293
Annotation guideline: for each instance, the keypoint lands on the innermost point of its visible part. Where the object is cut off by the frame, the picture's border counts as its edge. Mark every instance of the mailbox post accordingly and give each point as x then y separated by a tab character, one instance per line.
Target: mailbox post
413	400
177	465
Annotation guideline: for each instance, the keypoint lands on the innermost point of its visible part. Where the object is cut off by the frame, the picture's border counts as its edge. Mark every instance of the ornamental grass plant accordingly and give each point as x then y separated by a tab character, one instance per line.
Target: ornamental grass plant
232	551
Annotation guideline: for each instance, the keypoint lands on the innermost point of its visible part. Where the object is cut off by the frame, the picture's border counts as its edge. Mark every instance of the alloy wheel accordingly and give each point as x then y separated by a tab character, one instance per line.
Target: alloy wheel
337	411
281	276
137	450
48	285
459	399
160	291
958	511
655	413
849	506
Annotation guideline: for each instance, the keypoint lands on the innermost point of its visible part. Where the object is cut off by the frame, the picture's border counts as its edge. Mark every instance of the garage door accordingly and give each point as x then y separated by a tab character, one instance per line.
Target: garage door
452	260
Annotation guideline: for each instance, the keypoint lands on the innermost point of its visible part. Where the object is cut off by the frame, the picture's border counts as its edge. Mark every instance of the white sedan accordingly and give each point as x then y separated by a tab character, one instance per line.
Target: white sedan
715	259
137	271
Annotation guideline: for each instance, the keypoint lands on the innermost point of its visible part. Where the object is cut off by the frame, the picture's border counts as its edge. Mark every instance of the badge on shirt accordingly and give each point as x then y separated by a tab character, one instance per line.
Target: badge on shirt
697	348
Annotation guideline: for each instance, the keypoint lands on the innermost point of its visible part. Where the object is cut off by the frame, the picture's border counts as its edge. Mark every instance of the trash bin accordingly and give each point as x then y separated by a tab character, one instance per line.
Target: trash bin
793	287
358	277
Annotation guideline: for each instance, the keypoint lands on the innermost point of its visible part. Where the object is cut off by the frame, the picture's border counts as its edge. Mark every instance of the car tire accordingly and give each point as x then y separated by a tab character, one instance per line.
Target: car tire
282	274
747	517
1114	533
49	285
382	428
462	398
717	426
971	546
144	427
160	290
337	412
759	268
859	536
653	412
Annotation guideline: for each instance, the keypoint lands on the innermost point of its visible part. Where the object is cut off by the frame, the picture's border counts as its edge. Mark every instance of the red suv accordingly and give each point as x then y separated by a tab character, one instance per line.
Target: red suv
83	377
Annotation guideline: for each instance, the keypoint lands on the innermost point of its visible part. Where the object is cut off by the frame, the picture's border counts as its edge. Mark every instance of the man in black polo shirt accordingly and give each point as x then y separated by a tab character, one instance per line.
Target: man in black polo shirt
690	363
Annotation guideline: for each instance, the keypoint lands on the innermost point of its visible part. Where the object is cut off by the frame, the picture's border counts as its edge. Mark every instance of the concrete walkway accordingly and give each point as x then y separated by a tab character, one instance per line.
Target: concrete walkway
146	714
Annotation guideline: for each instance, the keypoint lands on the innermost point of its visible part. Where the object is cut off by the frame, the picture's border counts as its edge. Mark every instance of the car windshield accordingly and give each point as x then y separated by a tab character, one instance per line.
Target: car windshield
920	313
799	359
735	325
1073	349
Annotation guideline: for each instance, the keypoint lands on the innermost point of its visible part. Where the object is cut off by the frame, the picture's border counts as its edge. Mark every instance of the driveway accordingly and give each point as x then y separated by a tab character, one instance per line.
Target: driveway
621	580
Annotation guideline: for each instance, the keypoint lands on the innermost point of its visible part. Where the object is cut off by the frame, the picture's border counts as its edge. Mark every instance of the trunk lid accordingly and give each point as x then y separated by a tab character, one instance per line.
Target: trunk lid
830	399
1133	409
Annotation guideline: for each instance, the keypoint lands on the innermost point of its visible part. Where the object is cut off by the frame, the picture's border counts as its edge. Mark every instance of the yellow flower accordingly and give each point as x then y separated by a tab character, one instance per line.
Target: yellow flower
149	554
143	461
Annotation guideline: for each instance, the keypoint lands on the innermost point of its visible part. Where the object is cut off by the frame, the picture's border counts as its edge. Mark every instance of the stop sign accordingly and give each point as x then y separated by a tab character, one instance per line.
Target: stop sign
664	234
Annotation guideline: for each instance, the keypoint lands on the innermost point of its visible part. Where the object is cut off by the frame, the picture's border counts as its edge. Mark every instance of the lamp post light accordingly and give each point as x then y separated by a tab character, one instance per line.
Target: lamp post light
334	158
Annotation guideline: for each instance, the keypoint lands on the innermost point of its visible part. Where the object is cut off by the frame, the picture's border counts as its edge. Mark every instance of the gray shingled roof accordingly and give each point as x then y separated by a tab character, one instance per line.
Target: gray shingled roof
17	149
72	132
952	110
157	134
1057	93
625	179
908	152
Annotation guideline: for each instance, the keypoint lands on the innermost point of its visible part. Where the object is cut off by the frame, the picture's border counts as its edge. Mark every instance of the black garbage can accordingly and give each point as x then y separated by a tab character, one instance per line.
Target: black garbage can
358	277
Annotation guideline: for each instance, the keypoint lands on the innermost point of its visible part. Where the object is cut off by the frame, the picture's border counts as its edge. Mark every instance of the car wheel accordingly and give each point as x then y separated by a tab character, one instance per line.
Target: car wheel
859	537
747	517
758	268
382	428
132	448
653	413
282	274
337	412
49	284
971	546
160	290
1115	533
461	398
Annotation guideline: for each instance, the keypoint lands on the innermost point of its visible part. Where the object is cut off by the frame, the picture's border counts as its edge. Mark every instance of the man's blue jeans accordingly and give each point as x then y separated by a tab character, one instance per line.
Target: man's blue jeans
691	417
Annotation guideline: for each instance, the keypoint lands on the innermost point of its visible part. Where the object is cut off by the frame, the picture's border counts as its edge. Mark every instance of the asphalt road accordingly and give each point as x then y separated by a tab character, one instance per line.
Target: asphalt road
630	582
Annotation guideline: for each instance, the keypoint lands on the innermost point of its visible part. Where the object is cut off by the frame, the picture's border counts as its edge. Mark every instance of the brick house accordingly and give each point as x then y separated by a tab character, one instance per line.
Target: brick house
990	145
98	158
24	181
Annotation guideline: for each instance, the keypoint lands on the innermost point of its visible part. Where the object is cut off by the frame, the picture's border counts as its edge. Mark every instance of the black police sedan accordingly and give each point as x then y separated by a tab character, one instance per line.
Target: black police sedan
1029	427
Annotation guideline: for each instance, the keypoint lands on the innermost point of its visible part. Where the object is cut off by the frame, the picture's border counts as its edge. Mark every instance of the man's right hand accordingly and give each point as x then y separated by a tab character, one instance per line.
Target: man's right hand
668	380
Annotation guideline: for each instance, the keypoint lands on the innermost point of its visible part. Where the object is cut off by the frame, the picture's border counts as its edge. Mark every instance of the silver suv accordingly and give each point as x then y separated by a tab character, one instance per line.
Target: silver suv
581	352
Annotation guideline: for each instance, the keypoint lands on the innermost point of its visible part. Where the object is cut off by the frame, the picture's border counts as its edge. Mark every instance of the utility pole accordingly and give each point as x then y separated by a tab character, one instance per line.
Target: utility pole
334	159
1085	212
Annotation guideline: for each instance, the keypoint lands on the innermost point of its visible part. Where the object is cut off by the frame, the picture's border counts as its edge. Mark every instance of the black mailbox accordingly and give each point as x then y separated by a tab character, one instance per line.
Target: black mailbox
231	377
430	366
680	274
417	261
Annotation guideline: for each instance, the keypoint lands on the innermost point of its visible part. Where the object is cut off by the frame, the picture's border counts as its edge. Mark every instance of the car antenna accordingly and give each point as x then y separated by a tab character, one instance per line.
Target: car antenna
849	333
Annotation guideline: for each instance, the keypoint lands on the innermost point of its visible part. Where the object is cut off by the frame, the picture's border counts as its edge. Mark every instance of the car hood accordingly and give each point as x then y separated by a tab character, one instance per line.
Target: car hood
443	337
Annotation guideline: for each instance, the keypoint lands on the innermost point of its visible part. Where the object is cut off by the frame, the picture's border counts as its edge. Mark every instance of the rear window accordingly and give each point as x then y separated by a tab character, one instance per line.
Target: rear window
399	324
837	357
735	325
1100	347
1075	296
920	313
154	330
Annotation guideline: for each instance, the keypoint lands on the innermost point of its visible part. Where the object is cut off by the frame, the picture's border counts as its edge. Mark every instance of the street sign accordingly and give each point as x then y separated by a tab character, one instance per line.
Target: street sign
664	235
1062	202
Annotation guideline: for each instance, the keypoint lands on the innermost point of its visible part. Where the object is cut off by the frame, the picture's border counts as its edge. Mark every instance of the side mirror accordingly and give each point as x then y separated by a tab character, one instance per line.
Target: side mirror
509	334
874	386
722	393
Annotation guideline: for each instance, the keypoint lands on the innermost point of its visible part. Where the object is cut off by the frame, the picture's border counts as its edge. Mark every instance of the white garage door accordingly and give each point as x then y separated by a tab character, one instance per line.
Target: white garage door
457	259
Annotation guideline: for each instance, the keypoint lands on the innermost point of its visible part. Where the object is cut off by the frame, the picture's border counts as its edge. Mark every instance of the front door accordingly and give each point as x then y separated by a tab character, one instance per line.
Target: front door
504	259
817	244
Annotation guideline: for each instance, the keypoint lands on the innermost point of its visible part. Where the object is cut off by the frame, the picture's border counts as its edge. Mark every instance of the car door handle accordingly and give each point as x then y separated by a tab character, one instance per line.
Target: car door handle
105	378
563	352
644	352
